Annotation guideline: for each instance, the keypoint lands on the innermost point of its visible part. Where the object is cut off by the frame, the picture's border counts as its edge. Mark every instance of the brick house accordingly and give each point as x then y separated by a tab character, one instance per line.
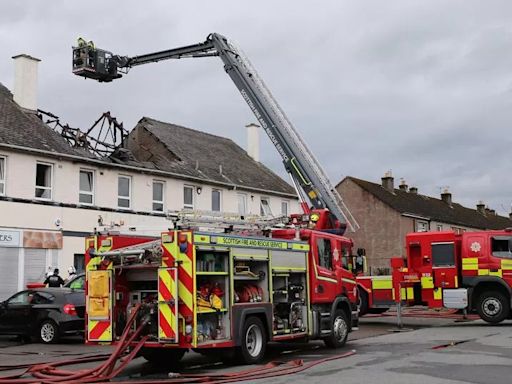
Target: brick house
386	214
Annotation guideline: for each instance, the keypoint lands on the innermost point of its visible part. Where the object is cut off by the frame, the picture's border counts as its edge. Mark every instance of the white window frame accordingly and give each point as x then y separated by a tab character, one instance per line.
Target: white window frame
287	204
244	195
89	193
439	227
262	206
220	199
2	179
162	202
421	222
129	197
50	188
185	205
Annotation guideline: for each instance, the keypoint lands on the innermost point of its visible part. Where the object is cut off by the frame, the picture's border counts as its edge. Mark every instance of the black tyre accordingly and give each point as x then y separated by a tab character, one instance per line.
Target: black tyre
493	307
254	341
363	302
168	357
339	330
49	332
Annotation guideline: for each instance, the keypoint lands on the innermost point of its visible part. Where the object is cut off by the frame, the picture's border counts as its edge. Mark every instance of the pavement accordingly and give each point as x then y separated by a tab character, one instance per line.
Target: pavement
430	350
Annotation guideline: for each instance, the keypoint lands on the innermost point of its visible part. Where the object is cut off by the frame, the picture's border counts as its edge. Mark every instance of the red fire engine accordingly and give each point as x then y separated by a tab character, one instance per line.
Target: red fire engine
212	290
471	271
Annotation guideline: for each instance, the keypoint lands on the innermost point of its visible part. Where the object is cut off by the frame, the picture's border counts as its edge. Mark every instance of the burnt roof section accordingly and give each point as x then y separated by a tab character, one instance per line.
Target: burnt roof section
432	208
24	129
209	157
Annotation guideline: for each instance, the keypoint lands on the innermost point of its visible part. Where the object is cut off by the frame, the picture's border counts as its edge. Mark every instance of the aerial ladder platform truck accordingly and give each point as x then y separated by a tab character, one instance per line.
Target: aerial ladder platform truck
219	290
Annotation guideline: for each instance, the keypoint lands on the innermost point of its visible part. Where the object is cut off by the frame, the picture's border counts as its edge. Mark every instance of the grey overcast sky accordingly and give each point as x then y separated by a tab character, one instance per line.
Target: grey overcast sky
422	88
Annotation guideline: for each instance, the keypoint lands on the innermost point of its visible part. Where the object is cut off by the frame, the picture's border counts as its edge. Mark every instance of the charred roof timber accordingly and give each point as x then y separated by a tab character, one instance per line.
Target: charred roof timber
103	139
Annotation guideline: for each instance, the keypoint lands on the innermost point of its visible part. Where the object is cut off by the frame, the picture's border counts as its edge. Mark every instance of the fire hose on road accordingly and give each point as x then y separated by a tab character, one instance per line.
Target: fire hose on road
125	352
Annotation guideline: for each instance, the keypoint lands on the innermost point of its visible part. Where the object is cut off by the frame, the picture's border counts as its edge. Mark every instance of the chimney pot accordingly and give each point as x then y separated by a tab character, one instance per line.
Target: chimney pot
25	81
413	190
446	196
388	182
480	207
253	141
403	185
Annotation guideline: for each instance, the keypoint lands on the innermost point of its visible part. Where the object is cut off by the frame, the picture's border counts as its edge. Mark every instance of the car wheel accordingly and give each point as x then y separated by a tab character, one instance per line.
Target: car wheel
48	332
254	341
339	330
493	307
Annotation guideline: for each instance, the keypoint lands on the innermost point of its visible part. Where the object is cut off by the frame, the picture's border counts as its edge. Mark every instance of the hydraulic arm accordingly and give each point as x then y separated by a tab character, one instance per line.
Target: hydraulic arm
310	181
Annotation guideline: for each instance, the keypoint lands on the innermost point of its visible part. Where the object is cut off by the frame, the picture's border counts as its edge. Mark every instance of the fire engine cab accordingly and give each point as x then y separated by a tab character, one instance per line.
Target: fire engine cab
470	271
209	290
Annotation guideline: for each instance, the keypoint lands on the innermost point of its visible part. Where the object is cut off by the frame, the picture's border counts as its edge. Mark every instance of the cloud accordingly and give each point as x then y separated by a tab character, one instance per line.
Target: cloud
422	88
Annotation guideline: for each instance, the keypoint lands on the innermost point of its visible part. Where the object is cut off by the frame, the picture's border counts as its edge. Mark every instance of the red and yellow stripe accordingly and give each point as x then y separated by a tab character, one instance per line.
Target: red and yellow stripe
181	258
167	305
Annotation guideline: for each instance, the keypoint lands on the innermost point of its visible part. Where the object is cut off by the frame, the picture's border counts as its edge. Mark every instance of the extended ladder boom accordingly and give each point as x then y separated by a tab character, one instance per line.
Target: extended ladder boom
298	160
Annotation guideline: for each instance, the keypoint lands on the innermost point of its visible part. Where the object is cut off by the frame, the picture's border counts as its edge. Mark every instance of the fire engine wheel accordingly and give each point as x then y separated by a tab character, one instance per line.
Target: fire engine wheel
48	332
254	341
162	356
363	302
339	330
493	307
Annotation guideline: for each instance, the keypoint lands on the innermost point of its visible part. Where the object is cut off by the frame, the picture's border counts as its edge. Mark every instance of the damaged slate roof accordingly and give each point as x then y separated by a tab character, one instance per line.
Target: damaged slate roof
24	129
191	154
432	208
209	157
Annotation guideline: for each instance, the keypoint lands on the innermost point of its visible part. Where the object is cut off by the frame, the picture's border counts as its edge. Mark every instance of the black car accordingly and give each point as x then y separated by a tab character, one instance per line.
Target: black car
43	313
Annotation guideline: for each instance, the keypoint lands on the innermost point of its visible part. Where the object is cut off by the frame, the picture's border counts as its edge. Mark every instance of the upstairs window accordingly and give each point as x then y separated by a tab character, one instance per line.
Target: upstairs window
284	208
2	176
324	252
188	197
216	197
158	196
421	226
443	254
44	181
265	207
242	203
86	187
124	191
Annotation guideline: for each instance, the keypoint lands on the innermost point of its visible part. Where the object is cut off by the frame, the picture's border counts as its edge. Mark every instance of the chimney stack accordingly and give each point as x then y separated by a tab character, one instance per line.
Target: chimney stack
446	196
388	182
253	141
403	185
413	190
480	207
25	81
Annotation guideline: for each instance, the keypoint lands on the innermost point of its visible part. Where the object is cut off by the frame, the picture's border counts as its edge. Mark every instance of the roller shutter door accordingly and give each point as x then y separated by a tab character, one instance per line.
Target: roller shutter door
9	259
35	266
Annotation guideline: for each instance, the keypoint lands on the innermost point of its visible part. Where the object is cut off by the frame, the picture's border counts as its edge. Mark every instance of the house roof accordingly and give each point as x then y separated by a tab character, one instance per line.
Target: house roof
433	208
192	153
210	157
22	128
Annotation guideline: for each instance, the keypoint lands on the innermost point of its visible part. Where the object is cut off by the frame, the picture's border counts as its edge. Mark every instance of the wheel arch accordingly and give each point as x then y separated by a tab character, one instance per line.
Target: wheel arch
242	312
343	303
478	285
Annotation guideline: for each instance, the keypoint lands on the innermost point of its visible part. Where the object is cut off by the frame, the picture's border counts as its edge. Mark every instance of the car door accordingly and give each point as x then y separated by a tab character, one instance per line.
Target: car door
16	313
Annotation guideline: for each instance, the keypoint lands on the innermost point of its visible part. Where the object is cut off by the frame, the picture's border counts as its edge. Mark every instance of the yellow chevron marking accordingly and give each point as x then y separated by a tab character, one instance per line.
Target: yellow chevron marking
185	295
